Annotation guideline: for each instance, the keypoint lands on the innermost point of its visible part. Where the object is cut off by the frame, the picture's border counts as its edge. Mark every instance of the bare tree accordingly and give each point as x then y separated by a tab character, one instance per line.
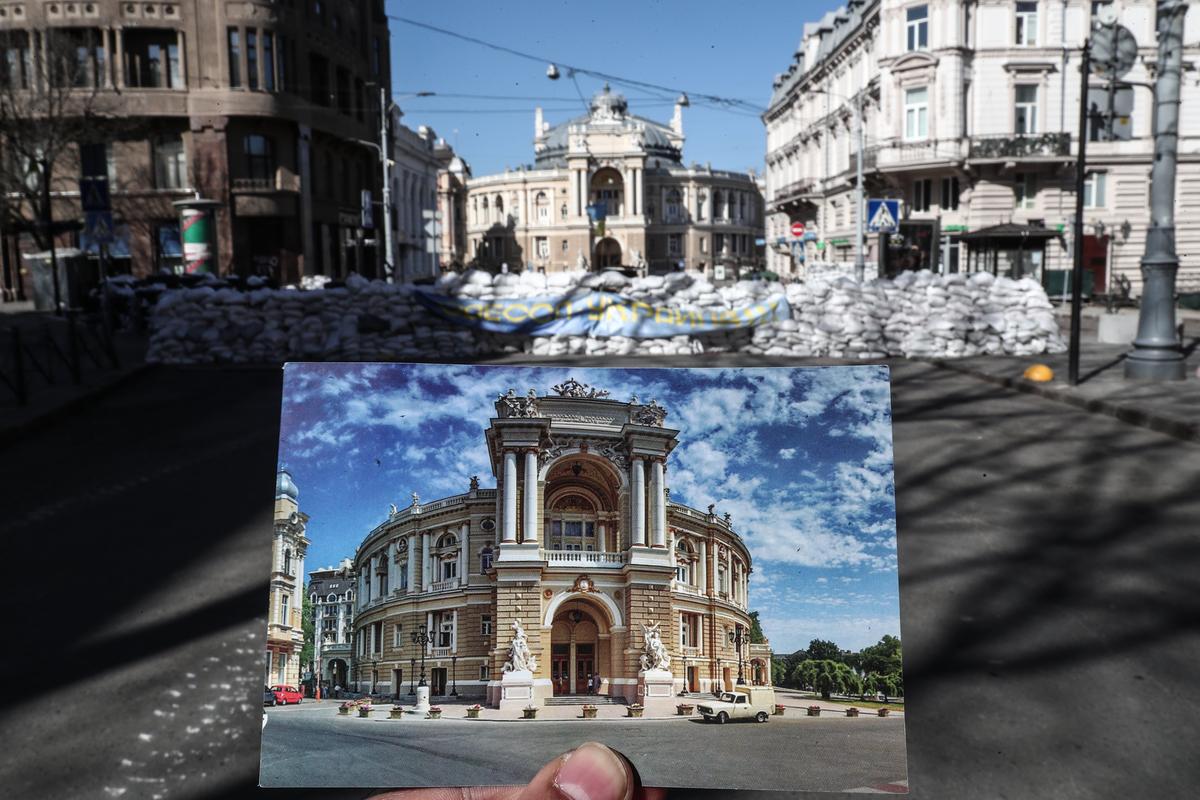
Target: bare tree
52	99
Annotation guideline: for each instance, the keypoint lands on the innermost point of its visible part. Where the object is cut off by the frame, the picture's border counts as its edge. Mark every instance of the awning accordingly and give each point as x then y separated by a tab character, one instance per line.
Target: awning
1009	235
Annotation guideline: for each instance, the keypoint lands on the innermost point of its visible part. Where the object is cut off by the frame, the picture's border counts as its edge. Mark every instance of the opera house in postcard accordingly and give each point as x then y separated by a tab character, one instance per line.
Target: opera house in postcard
577	575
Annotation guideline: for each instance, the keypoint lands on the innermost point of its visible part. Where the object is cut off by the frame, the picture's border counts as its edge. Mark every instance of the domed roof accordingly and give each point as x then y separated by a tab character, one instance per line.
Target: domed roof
608	111
285	486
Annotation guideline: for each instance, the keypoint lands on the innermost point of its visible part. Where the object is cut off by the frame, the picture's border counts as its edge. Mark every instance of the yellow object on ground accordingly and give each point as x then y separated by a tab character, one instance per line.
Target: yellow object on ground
1040	373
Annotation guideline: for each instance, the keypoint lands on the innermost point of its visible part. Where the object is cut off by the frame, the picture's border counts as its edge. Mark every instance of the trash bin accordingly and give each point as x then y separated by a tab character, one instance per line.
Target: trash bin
77	276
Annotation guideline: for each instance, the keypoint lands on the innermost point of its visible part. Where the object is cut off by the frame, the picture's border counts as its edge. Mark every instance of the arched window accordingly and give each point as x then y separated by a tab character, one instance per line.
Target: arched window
331	599
674	212
684	558
572	523
498	209
541	205
446	553
287	561
717	204
485	559
702	207
563	211
381	570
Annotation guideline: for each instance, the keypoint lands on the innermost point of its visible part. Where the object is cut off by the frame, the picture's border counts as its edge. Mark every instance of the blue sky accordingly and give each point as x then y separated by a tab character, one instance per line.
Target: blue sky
802	459
710	48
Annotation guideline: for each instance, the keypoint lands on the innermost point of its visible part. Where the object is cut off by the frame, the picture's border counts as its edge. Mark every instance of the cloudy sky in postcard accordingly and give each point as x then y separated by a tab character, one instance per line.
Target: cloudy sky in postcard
802	459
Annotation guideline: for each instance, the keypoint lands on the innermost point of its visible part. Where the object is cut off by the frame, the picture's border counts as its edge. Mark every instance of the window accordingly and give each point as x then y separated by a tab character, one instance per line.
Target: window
1027	23
485	555
703	244
722	587
485	625
397	639
1024	190
383	581
252	59
285	54
1094	186
564	246
450	568
542	208
260	158
674	210
1025	119
484	672
674	244
170	162
916	113
268	46
543	247
572	520
152	59
701	207
318	76
563	211
235	59
16	65
950	194
922	189
917	27
377	637
283	609
287	561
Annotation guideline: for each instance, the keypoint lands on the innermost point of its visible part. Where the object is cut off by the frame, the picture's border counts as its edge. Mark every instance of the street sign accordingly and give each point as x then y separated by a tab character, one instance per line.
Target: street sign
98	226
797	229
368	213
883	216
1113	50
93	194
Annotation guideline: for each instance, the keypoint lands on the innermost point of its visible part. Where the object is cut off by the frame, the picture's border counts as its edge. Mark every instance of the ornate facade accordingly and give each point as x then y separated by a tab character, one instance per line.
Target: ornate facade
659	213
285	633
577	564
331	593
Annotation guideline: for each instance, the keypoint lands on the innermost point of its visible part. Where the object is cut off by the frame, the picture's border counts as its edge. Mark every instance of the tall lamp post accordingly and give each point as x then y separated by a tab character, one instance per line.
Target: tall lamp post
412	676
454	674
422	639
1157	351
737	639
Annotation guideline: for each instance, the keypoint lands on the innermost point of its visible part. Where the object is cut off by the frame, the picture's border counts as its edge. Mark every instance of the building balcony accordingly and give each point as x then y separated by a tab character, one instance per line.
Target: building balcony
444	586
266	185
1012	146
795	192
590	559
898	156
440	652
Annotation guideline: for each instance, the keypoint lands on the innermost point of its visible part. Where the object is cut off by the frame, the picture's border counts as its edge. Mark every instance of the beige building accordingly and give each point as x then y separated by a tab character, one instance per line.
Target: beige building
971	120
257	105
331	595
285	633
659	213
580	545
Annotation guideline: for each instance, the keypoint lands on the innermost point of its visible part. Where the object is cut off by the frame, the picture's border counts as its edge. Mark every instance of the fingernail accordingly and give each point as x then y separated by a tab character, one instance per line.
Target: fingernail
592	772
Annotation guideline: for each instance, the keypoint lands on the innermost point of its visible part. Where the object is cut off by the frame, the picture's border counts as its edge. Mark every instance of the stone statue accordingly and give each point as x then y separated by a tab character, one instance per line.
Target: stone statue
728	518
519	657
510	405
581	262
654	652
650	414
711	507
573	388
416	499
474	483
394	511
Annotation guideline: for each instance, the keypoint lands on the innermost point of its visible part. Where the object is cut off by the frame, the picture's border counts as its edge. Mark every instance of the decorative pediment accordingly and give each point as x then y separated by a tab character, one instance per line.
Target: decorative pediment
583	584
1031	67
914	62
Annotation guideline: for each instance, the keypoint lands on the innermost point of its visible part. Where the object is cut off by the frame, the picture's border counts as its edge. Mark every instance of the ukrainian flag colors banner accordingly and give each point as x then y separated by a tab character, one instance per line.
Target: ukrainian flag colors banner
591	313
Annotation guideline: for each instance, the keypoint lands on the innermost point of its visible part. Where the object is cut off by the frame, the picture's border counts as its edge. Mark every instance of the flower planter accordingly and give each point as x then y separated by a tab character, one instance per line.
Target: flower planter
685	709
345	712
635	711
814	711
364	711
529	713
851	712
472	713
883	712
779	710
435	715
396	713
589	713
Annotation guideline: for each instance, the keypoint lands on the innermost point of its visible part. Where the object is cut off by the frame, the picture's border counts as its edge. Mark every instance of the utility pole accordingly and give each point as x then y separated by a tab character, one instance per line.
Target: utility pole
1157	353
388	266
1085	67
860	264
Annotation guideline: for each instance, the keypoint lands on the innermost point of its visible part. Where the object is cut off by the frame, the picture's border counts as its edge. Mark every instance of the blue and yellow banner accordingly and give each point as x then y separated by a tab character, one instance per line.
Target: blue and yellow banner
591	313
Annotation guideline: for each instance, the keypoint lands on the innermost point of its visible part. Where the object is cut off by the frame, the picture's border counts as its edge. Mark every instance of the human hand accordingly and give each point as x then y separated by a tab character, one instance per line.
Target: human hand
589	772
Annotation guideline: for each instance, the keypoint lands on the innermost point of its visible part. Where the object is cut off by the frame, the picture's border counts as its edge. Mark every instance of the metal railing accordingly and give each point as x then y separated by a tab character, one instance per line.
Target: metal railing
442	586
1015	145
440	652
35	357
589	558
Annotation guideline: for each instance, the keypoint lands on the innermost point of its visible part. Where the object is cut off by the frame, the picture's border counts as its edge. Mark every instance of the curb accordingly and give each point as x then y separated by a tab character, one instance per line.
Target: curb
14	433
1187	431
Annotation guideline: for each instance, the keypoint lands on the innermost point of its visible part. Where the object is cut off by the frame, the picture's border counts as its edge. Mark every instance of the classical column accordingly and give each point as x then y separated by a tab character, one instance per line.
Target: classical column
571	667
412	563
183	74
531	497
702	581
425	563
600	542
391	567
429	629
510	497
464	553
119	56
658	503
637	502
454	633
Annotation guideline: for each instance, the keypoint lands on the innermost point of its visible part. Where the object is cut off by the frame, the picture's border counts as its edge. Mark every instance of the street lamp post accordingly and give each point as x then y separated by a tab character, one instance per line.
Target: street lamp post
454	674
412	674
422	638
737	639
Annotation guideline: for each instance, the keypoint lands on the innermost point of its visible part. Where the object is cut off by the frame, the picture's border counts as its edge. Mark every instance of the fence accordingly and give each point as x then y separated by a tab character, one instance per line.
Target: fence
37	356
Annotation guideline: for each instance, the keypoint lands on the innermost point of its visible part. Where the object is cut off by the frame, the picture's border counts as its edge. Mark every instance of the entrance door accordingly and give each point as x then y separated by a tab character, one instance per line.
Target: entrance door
437	681
397	681
693	683
1095	260
560	668
727	675
584	667
608	253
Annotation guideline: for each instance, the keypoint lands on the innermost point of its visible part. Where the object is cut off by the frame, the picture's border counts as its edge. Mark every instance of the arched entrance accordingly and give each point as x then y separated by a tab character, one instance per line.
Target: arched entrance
338	673
578	648
608	253
608	188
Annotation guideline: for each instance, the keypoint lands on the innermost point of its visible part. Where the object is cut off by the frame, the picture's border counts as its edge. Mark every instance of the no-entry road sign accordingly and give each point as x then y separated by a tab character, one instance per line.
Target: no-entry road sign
797	229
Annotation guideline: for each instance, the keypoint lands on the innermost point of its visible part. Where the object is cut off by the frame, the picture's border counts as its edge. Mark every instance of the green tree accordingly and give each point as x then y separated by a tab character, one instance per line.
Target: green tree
308	625
883	658
821	650
756	632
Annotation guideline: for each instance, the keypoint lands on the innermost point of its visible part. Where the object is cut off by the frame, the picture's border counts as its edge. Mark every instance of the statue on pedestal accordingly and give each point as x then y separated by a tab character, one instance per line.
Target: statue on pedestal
654	652
519	657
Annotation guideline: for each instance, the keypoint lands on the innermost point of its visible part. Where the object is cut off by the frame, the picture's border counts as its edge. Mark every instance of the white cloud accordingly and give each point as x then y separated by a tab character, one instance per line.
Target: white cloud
787	453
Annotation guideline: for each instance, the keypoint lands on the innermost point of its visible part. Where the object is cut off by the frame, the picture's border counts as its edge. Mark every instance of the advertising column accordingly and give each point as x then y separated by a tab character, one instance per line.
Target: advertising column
198	231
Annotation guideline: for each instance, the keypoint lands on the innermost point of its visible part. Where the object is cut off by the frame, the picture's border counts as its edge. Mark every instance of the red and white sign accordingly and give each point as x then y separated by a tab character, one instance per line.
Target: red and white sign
797	229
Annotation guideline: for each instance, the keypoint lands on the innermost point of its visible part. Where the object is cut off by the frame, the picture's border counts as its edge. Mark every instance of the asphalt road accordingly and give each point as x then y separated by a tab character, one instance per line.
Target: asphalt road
1049	594
824	753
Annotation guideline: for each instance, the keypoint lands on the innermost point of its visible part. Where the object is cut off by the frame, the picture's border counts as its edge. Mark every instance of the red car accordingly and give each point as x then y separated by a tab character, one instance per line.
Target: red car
287	694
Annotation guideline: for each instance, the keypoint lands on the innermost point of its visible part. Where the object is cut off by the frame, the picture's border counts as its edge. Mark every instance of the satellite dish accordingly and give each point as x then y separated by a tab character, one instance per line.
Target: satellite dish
552	72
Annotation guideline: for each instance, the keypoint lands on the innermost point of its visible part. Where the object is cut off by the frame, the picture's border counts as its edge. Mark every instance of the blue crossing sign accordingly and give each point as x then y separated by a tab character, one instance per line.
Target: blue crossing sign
883	216
98	226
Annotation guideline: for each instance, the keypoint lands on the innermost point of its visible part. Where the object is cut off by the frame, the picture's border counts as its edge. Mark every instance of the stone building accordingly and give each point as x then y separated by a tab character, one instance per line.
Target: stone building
971	120
285	633
659	213
580	546
331	595
257	105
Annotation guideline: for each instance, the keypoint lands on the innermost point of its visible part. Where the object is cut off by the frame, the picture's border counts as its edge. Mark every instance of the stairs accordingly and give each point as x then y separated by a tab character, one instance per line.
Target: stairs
585	699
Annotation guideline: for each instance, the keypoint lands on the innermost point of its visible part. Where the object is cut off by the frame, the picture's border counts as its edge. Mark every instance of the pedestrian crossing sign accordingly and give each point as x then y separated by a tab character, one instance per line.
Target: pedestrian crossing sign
883	216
